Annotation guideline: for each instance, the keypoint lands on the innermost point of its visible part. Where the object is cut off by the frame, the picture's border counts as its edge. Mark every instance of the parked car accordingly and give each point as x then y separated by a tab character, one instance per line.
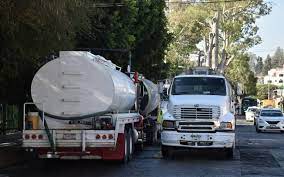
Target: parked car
251	113
270	119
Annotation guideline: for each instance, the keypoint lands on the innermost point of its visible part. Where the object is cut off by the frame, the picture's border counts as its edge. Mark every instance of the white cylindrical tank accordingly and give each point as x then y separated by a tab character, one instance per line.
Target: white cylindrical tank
153	97
79	84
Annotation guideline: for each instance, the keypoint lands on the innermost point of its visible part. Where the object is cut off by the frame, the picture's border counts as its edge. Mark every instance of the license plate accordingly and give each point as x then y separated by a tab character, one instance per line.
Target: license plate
195	137
70	136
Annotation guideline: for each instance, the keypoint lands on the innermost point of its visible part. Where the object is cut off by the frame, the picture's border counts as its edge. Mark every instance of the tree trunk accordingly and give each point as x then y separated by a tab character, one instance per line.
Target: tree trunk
216	40
209	52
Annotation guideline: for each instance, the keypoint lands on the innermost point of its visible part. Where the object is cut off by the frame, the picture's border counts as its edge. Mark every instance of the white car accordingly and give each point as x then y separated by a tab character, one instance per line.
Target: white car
250	113
270	119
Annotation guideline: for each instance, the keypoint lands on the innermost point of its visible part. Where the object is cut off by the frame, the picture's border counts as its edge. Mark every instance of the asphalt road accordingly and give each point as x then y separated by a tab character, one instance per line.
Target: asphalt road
256	155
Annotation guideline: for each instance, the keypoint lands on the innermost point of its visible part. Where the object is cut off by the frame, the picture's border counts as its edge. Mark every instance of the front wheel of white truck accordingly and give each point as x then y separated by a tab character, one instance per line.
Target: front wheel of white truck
166	151
230	153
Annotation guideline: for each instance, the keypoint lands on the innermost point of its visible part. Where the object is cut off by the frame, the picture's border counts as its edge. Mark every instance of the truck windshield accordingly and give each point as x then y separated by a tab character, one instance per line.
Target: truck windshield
199	86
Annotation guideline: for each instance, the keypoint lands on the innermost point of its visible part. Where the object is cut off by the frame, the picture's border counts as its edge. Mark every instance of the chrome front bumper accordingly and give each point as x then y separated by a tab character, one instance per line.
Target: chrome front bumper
198	140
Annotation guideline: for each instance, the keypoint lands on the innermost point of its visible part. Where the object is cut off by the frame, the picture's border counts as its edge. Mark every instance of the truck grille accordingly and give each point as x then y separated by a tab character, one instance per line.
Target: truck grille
200	112
196	126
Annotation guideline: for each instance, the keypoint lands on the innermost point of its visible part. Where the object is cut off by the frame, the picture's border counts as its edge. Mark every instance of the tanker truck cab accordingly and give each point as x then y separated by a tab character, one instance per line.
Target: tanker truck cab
199	113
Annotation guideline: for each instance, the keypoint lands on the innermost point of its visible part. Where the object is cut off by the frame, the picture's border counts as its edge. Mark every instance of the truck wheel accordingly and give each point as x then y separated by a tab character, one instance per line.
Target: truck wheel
139	146
230	153
150	138
166	151
126	148
130	144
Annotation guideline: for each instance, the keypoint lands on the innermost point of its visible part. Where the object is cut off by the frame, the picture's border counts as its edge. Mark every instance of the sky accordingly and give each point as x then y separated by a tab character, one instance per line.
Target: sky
271	30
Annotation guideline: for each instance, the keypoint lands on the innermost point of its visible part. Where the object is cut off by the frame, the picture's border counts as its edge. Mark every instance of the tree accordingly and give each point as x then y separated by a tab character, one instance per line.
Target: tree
187	28
139	27
252	62
229	26
32	32
277	59
29	31
263	89
152	39
267	65
239	72
258	66
238	28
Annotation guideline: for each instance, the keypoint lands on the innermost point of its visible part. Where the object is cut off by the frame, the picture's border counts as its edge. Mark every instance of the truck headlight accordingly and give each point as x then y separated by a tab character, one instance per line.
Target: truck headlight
168	125
226	125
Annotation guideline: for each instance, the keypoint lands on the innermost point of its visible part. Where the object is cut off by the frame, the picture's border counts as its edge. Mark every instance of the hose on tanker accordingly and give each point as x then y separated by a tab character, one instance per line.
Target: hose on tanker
76	117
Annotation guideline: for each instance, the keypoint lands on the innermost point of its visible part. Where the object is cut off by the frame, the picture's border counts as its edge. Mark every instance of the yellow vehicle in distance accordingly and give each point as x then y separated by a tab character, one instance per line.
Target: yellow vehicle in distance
267	103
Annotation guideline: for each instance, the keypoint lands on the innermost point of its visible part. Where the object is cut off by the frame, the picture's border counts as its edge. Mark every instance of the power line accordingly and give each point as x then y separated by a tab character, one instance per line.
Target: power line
105	5
205	2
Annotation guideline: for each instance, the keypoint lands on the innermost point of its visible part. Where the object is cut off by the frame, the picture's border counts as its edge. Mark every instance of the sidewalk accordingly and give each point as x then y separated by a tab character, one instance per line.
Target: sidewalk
10	150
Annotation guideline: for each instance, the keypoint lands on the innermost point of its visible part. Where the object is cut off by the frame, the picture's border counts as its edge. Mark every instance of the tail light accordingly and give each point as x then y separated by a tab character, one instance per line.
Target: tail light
27	136
40	137
33	136
110	136
104	137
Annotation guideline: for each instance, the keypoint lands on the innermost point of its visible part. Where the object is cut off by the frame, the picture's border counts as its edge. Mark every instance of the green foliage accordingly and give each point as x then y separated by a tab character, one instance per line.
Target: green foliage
276	61
267	65
139	26
32	30
237	29
152	39
263	89
258	66
187	28
278	58
239	72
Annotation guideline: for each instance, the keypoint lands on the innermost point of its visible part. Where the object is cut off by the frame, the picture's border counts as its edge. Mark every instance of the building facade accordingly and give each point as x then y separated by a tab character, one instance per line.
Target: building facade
275	76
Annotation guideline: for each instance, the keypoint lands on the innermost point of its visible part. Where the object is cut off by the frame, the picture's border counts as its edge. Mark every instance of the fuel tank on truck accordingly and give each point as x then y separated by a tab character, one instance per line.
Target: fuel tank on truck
151	99
79	84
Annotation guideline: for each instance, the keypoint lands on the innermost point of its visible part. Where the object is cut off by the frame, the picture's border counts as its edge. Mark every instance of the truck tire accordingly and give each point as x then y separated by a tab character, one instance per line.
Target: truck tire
166	152
230	153
130	144
126	147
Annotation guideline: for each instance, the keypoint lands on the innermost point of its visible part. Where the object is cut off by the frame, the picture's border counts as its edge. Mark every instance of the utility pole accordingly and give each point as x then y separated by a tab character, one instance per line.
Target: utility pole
199	58
268	89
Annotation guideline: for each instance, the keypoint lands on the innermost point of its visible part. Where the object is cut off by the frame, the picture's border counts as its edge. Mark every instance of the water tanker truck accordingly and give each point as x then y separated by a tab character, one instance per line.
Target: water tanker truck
84	107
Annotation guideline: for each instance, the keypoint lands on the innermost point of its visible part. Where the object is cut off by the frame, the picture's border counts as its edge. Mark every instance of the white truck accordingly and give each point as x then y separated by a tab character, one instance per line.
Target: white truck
84	107
200	113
